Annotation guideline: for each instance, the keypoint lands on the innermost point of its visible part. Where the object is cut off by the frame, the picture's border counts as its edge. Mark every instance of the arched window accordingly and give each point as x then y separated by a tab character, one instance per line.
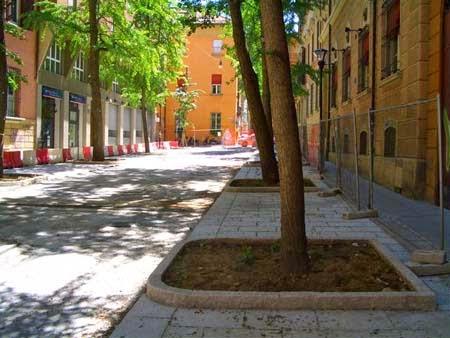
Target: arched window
346	144
363	143
389	142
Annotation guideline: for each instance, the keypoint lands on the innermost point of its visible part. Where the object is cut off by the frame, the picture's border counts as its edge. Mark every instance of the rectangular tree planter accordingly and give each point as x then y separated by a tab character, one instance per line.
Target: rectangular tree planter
273	189
421	298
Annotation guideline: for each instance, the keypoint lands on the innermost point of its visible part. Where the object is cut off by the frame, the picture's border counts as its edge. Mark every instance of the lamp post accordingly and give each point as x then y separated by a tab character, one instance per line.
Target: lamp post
320	54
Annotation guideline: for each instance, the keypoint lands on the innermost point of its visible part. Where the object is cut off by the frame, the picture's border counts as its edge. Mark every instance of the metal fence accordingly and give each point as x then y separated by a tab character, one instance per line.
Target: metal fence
396	147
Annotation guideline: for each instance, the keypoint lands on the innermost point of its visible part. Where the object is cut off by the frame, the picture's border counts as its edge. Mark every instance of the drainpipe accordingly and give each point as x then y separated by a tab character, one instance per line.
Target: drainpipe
329	80
373	102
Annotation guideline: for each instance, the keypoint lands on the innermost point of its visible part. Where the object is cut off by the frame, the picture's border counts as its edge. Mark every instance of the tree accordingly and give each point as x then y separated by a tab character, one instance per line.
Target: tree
158	46
97	28
293	236
264	138
186	103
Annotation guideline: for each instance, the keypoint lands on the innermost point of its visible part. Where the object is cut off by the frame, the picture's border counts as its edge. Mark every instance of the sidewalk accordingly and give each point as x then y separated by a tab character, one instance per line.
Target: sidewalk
250	215
416	222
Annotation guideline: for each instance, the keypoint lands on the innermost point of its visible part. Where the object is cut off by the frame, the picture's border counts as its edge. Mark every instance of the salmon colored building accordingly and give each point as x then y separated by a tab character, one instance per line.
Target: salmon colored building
209	71
21	107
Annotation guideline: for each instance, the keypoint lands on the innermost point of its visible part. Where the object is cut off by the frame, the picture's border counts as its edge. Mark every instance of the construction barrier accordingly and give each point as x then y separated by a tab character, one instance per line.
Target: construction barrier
42	156
87	153
67	155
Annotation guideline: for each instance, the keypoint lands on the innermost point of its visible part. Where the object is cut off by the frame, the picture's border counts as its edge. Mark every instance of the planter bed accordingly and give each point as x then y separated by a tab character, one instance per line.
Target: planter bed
110	161
258	185
245	274
21	179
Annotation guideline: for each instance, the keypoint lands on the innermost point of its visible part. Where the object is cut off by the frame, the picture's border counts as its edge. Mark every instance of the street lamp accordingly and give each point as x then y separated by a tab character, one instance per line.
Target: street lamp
321	54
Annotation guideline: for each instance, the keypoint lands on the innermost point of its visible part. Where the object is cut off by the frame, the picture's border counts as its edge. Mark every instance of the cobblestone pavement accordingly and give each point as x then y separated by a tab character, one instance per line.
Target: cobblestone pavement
76	250
250	215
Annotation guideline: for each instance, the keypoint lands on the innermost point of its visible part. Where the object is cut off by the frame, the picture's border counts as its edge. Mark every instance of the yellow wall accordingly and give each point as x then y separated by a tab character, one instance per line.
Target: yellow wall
201	64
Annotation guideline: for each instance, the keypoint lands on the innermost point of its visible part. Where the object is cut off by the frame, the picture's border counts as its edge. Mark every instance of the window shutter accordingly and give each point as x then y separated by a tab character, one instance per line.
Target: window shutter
347	61
393	18
216	79
365	48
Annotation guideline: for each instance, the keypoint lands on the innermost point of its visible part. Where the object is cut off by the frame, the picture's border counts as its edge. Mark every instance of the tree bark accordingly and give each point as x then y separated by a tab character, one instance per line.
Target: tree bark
97	120
145	123
266	92
264	139
293	237
3	82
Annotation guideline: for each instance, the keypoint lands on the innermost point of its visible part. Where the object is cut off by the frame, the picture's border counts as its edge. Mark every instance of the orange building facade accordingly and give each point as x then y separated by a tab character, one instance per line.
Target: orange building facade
210	72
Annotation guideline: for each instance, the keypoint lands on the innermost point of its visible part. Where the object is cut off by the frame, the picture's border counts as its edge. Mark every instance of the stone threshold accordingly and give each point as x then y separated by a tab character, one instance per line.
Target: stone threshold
421	299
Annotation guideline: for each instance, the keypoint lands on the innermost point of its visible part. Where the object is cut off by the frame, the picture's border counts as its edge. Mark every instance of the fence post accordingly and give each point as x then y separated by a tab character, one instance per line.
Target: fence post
371	157
338	154
441	172
355	150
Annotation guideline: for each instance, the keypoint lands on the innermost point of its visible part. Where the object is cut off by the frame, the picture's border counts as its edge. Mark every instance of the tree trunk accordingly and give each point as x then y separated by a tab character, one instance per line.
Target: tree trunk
293	238
266	92
3	82
97	120
145	123
264	139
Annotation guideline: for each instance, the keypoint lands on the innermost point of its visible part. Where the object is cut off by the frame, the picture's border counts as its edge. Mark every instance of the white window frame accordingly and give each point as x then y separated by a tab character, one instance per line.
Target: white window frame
78	68
53	59
8	14
11	102
215	117
217	46
216	89
115	87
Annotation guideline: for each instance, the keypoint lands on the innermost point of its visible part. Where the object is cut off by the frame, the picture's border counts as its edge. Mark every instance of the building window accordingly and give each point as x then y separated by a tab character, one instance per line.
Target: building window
216	84
391	34
72	4
363	63
333	144
346	71
346	144
334	84
389	142
78	68
12	11
53	59
11	102
74	115
217	47
115	87
363	143
216	123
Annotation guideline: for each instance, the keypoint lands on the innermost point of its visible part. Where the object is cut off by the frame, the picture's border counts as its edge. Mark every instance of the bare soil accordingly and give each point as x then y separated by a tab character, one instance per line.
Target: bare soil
254	265
256	182
15	177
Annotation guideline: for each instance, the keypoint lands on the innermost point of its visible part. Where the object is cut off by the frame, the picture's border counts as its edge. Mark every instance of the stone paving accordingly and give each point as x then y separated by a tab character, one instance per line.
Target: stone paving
250	215
76	250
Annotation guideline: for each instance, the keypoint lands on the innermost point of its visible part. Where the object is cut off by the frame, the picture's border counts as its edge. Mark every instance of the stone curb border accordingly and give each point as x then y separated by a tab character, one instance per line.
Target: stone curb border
31	179
422	298
276	189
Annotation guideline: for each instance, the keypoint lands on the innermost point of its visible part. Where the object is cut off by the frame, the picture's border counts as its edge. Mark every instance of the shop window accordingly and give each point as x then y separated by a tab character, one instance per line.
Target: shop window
363	63
346	72
363	143
389	142
391	34
78	68
11	102
216	123
48	122
216	84
74	118
53	59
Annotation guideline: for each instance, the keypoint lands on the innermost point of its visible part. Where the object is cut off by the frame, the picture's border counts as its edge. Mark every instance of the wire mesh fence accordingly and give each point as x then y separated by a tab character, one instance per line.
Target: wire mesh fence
375	156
